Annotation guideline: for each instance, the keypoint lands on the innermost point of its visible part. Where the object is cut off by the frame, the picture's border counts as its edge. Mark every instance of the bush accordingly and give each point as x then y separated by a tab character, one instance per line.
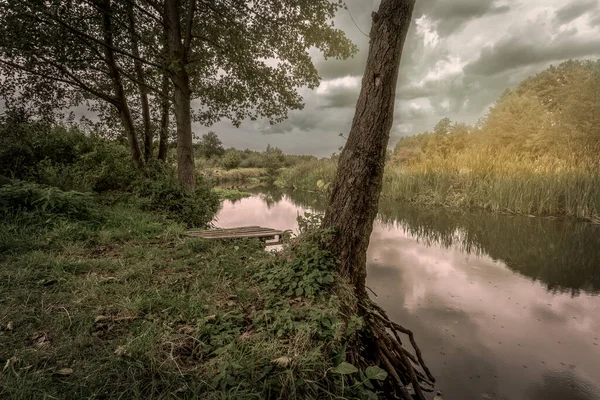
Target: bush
160	191
46	201
66	158
231	160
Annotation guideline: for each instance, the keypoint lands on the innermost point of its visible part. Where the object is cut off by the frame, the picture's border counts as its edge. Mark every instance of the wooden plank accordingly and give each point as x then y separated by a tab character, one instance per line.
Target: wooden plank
229	231
237	233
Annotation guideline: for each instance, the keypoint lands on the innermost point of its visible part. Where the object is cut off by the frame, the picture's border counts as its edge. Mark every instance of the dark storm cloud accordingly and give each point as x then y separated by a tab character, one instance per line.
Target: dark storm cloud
452	15
574	10
595	19
341	98
459	56
514	52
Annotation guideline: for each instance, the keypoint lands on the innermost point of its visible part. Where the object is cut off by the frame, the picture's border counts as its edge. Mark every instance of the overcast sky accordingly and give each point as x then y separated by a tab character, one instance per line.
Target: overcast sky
459	57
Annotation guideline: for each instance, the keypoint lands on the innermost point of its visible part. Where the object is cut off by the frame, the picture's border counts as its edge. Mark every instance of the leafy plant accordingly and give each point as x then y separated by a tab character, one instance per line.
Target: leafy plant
160	191
48	201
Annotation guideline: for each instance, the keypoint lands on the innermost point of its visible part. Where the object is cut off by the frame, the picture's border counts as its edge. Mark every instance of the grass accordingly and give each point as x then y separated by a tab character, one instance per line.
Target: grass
230	193
249	175
513	186
313	176
128	308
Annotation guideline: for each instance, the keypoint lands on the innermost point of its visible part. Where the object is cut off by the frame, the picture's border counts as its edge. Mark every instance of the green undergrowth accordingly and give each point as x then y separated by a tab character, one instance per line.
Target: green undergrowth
125	306
230	193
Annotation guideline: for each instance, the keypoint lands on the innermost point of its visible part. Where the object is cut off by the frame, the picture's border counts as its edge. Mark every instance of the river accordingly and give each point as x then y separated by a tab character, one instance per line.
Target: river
503	307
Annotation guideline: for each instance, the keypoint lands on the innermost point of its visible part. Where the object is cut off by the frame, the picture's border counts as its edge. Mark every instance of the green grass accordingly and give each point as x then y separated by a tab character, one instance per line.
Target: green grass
568	192
126	307
313	176
511	187
250	175
230	193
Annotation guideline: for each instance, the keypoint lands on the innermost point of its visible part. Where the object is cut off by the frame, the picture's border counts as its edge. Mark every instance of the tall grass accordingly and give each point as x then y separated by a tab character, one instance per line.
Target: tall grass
520	186
315	175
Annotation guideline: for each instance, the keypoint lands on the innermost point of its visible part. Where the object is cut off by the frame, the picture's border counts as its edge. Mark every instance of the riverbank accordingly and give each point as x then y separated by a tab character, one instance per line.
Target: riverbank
480	290
124	306
570	193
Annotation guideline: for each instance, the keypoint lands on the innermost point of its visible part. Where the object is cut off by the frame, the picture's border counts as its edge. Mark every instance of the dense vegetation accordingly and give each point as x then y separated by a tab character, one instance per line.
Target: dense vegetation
103	296
535	152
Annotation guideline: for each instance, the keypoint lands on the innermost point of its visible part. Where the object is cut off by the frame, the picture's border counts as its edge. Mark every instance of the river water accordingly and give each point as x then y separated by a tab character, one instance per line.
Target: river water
503	307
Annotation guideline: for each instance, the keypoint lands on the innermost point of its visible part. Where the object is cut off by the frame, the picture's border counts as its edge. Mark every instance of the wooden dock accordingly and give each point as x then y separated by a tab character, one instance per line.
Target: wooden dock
239	233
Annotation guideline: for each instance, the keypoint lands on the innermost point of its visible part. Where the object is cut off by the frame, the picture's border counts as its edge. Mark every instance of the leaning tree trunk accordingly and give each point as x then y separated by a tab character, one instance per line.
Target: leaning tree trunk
355	197
181	93
355	192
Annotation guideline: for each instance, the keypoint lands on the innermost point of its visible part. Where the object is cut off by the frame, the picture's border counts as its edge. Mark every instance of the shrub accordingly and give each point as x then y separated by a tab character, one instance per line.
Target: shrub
66	158
47	201
231	160
160	191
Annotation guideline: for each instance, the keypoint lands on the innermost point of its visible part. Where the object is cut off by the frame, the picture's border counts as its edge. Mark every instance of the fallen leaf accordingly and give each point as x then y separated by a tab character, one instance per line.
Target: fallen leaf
282	361
40	340
101	318
11	361
64	371
9	326
186	330
122	351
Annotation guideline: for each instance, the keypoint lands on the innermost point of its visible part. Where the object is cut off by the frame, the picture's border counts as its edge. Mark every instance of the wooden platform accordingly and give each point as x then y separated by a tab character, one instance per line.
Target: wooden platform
239	233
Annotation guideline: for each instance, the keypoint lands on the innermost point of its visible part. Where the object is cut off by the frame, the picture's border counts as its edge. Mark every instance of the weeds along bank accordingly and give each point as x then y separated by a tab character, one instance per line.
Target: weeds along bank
535	152
102	296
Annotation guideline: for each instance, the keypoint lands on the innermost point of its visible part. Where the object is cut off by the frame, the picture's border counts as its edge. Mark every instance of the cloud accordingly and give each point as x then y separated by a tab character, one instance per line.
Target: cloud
452	15
514	52
574	10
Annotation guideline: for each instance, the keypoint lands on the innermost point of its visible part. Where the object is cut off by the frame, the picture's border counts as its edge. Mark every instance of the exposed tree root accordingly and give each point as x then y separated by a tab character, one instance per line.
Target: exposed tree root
380	343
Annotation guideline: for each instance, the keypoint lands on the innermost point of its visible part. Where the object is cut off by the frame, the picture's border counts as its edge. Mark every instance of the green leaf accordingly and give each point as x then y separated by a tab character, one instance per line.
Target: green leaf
375	372
299	291
345	368
340	355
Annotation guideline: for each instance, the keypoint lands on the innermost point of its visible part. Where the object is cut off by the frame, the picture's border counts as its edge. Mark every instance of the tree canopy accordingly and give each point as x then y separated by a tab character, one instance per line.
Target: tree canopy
113	57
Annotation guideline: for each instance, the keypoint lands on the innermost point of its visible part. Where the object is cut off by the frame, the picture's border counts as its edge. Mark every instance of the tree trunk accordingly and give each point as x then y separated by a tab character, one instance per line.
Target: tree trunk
181	94
139	71
355	198
355	193
163	146
121	105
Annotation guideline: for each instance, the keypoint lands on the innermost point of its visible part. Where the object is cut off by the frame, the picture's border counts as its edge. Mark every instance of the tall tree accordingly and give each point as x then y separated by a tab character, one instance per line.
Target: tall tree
66	50
253	69
141	79
355	194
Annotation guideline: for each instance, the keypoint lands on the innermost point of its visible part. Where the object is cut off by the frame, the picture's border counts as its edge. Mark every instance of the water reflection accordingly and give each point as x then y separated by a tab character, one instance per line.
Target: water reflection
563	254
503	307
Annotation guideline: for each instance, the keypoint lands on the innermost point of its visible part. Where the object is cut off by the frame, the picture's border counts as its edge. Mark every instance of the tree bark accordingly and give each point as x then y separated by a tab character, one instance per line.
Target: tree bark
181	92
355	192
139	71
163	146
121	98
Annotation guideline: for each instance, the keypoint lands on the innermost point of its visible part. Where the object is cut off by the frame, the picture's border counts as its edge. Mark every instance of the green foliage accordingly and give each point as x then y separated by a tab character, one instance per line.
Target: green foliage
274	159
309	269
66	158
312	176
230	160
210	146
230	194
46	201
160	191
